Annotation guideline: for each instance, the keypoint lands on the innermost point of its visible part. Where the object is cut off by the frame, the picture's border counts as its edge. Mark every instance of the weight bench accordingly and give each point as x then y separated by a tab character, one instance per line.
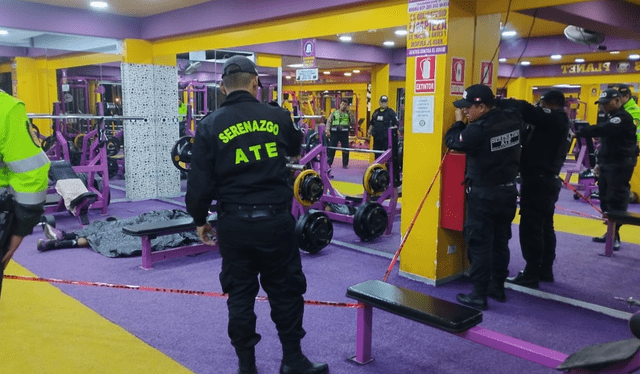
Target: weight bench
617	357
614	217
152	230
74	193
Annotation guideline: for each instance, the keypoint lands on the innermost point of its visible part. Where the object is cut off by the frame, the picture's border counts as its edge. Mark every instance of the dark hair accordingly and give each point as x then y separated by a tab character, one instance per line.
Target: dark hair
237	80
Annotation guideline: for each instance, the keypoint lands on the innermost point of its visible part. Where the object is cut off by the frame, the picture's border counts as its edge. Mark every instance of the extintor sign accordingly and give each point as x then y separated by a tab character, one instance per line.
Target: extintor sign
457	75
487	73
425	74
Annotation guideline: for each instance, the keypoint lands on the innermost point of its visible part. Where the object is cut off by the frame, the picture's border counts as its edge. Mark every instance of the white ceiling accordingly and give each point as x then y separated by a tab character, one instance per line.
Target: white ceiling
36	39
135	8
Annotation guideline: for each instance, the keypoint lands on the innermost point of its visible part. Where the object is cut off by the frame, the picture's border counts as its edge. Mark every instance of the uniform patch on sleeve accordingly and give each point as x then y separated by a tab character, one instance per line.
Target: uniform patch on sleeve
615	120
35	134
547	110
510	139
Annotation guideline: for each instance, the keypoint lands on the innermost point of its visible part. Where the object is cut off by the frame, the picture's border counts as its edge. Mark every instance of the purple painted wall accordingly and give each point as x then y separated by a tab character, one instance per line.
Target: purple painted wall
506	71
227	13
48	18
12	51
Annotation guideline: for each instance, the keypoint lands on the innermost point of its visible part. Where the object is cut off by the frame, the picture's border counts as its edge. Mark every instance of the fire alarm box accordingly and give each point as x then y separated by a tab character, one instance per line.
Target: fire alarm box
452	196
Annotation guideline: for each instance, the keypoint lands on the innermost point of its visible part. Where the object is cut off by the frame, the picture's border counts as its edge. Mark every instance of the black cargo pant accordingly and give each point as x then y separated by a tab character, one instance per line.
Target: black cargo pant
341	137
613	184
538	196
487	230
261	243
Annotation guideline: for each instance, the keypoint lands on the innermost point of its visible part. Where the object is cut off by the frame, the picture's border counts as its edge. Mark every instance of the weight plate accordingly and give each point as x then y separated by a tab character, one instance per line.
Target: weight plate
376	179
113	168
314	231
181	153
308	188
77	141
370	221
113	146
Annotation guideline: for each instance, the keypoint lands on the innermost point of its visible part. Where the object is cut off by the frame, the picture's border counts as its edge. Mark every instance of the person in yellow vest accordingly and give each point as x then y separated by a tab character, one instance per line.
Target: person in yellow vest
286	104
338	131
630	105
24	170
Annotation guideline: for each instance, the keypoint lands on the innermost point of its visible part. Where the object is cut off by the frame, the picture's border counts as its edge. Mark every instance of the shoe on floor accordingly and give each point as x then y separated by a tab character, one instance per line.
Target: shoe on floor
616	244
600	239
473	300
42	245
305	367
345	167
51	232
546	276
524	280
497	294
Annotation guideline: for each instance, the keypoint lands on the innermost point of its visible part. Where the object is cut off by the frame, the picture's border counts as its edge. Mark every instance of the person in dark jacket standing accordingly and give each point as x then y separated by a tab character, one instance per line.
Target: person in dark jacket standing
239	159
381	120
544	148
616	157
491	142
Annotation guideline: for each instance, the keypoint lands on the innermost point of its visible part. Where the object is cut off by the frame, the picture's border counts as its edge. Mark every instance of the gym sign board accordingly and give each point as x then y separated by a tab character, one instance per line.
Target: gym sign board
309	53
616	67
305	75
425	74
428	27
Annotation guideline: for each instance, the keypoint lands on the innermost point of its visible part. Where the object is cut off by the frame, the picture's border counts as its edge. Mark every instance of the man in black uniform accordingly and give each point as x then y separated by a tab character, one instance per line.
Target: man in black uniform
616	156
544	148
239	160
491	141
383	118
337	130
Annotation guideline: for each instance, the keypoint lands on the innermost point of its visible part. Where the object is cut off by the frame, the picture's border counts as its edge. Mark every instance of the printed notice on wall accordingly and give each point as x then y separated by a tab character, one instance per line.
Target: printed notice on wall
427	28
423	108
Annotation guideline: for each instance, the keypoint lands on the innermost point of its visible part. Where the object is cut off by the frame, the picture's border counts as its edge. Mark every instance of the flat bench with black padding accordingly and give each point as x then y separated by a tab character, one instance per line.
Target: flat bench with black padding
616	357
617	217
61	170
152	230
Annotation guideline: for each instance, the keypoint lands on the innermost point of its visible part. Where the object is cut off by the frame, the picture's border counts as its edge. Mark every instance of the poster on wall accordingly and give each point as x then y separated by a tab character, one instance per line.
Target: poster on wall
457	76
309	53
425	74
487	73
423	109
427	29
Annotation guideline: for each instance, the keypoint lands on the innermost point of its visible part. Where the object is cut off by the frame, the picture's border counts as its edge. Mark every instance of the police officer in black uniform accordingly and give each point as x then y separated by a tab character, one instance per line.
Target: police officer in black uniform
239	160
616	157
544	148
383	118
491	141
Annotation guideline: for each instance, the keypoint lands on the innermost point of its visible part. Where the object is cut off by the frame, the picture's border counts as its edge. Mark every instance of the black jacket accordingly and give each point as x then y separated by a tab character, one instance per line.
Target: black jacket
239	156
618	143
492	145
381	120
546	142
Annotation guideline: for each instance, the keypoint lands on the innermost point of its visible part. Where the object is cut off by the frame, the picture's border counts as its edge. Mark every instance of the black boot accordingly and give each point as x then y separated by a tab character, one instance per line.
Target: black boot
295	362
247	361
473	300
524	279
546	275
497	293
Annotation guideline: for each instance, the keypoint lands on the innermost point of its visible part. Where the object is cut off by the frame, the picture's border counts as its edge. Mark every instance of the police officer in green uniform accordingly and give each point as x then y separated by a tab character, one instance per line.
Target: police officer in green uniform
338	132
630	106
24	170
383	118
239	159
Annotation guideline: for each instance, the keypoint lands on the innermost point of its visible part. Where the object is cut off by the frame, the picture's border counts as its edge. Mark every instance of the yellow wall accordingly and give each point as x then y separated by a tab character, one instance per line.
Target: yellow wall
360	89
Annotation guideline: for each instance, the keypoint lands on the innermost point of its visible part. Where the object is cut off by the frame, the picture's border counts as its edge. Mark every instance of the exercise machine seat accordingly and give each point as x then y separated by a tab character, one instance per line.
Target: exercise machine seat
626	218
164	227
600	356
438	313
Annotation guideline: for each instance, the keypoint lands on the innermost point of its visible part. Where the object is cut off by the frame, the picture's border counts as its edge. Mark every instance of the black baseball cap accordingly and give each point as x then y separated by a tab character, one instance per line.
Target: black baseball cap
476	94
608	95
553	97
239	64
384	98
624	90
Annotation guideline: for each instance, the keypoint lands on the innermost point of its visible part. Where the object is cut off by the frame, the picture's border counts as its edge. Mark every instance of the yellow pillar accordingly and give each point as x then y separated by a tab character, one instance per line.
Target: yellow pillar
590	94
379	87
433	254
517	88
136	51
268	61
37	87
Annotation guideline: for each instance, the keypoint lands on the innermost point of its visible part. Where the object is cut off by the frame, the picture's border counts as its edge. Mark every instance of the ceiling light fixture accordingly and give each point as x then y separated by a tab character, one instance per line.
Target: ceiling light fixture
356	71
389	43
4	32
525	63
326	72
579	60
401	32
509	34
535	88
288	77
634	57
502	60
556	57
615	52
295	65
347	74
99	4
345	38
